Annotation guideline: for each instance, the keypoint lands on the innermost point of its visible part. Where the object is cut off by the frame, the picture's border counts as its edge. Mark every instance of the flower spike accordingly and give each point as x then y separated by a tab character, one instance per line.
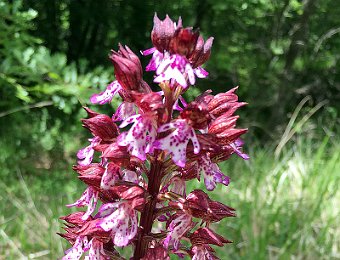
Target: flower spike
139	159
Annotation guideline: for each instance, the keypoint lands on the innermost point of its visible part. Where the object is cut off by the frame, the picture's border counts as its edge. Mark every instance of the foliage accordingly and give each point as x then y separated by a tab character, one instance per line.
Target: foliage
43	94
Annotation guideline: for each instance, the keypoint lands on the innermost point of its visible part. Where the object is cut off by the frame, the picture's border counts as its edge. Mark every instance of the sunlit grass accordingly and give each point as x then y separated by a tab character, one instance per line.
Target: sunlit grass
29	212
288	207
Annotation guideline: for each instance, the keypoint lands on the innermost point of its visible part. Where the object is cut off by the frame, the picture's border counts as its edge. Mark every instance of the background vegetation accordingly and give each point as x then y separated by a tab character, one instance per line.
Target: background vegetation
284	55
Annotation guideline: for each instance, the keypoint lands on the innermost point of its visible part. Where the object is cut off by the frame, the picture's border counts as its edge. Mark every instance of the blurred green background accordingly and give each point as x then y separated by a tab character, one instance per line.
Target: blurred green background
284	55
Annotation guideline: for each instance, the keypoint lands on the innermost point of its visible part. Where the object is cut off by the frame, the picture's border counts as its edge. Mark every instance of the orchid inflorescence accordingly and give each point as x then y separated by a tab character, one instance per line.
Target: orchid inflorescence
136	192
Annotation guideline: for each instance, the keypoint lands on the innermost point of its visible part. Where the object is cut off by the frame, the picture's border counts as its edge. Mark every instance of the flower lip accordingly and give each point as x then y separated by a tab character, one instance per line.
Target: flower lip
176	142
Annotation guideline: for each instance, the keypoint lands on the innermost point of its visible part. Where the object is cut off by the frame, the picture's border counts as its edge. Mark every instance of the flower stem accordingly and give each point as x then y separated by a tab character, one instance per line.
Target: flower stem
155	178
147	218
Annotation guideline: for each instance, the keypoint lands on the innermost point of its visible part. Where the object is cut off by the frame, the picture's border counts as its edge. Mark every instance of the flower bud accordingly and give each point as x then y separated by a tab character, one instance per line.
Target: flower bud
128	69
91	229
162	32
75	218
93	169
201	52
201	206
205	236
224	104
102	126
184	41
152	101
197	115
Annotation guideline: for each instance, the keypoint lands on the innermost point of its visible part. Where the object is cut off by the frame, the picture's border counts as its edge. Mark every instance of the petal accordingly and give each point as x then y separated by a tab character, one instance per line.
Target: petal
91	206
140	137
112	221
176	142
121	234
130	176
124	111
107	95
195	142
85	155
178	227
221	178
155	61
190	73
111	174
107	209
149	51
76	251
209	182
129	120
133	225
164	64
201	73
166	127
176	150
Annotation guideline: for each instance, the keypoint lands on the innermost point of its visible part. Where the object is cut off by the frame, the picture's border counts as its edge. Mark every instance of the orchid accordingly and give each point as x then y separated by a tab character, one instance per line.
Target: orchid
140	158
85	155
89	198
176	142
140	136
121	220
211	173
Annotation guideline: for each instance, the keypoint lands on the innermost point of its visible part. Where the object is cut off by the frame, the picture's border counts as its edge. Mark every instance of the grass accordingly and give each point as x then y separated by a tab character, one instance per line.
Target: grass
288	206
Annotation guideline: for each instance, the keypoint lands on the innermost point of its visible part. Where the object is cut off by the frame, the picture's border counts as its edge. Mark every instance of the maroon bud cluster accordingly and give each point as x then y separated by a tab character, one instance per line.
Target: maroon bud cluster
166	36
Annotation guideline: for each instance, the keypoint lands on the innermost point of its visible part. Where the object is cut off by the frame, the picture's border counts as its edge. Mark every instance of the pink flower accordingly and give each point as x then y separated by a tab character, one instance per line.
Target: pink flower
143	171
178	227
121	219
85	155
128	69
201	240
110	176
94	247
175	67
202	253
89	199
75	252
163	32
141	135
96	251
211	173
176	142
107	95
156	59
